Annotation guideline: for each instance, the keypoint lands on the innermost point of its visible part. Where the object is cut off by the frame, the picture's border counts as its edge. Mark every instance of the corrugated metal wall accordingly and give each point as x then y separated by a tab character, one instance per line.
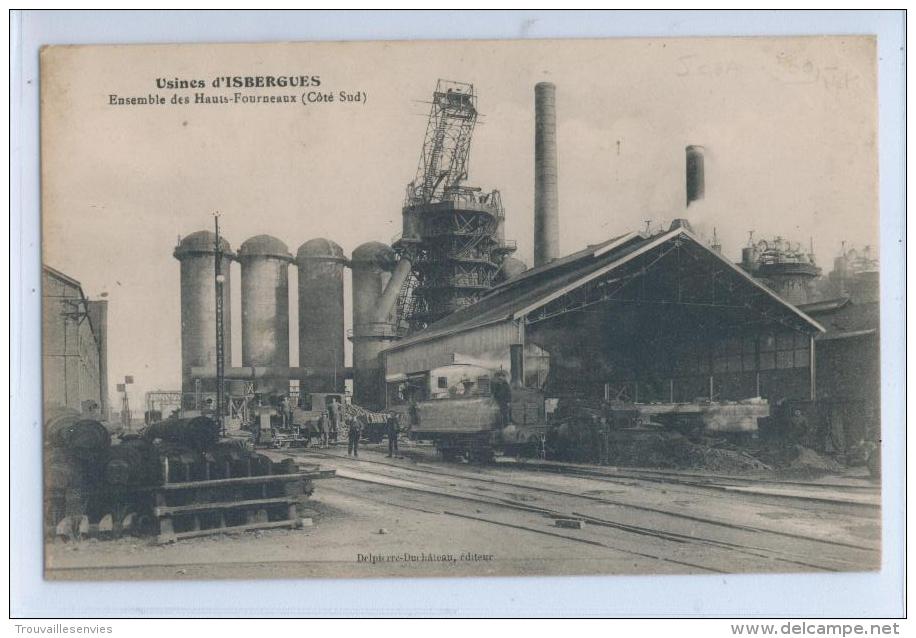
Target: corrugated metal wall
489	343
70	353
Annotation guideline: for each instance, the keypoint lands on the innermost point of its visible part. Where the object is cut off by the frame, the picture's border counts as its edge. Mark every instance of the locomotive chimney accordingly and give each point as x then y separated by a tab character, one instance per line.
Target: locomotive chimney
546	205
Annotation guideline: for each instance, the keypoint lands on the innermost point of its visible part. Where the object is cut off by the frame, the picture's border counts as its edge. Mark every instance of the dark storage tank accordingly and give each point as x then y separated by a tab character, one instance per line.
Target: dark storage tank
265	307
198	307
321	315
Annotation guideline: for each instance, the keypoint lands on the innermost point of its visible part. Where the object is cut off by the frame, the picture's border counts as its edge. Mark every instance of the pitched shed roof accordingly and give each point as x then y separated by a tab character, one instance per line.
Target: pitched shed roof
539	286
843	318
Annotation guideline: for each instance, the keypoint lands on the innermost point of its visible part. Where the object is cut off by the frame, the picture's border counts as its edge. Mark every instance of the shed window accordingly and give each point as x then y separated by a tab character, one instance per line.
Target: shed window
784	359
442	382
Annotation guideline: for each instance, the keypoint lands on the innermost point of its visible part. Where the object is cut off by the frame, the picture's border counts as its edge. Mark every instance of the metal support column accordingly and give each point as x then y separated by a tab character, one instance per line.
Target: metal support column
220	333
813	372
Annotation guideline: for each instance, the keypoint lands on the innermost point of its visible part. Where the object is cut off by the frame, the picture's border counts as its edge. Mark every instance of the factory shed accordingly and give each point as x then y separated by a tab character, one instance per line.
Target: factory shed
641	317
74	346
848	369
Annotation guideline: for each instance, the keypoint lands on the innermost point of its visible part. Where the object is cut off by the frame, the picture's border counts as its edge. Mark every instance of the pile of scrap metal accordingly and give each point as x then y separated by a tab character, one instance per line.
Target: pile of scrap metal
701	416
176	479
579	425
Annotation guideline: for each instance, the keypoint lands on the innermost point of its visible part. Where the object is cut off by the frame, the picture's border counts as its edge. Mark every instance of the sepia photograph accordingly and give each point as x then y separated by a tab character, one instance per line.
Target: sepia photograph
466	308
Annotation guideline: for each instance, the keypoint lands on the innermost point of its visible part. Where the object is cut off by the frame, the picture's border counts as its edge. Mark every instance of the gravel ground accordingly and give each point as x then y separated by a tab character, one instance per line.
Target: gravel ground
420	517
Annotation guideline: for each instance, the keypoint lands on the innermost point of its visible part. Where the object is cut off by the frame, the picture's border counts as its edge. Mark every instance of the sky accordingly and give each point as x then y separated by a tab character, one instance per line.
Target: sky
788	124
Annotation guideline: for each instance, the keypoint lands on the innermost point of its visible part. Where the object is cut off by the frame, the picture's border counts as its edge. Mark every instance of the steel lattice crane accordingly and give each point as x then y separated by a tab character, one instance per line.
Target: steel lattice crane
447	144
452	233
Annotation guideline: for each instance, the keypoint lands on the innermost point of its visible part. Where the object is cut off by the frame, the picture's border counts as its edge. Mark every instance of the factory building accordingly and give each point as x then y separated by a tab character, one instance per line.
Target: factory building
74	346
854	275
848	368
784	266
639	317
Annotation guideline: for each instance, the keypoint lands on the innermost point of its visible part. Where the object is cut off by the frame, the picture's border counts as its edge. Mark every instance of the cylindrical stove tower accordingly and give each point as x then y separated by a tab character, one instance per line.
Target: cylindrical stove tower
265	307
374	325
321	315
196	252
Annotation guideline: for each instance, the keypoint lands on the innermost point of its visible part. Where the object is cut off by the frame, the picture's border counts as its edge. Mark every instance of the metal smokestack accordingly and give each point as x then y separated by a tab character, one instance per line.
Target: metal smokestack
546	201
696	184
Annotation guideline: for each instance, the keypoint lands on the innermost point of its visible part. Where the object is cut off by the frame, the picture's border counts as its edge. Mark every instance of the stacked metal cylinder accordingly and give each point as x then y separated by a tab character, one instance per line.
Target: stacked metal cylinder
265	262
89	479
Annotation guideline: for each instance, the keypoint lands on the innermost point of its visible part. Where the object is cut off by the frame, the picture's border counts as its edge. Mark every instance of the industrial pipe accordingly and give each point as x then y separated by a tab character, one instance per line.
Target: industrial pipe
546	197
696	180
246	373
389	296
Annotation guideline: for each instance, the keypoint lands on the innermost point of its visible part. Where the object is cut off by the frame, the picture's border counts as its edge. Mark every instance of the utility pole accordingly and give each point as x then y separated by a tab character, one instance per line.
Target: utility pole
125	404
220	332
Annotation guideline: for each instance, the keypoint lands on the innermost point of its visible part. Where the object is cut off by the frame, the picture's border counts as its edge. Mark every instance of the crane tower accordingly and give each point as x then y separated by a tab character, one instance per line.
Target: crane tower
452	232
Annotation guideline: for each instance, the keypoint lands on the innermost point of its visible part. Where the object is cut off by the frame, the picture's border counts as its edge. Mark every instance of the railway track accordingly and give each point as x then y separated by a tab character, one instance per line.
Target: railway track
634	472
865	497
755	541
456	471
865	494
759	552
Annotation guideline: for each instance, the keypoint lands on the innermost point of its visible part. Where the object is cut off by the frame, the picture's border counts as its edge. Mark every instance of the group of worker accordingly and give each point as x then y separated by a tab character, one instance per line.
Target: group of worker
329	423
329	420
355	430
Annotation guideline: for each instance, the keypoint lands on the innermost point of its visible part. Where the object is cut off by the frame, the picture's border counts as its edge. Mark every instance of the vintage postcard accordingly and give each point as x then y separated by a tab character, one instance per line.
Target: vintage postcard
461	308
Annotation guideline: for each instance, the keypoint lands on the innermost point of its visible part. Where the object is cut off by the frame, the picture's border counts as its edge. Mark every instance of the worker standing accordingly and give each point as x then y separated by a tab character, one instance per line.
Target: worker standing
337	414
323	430
413	414
393	435
604	435
287	411
353	437
334	414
